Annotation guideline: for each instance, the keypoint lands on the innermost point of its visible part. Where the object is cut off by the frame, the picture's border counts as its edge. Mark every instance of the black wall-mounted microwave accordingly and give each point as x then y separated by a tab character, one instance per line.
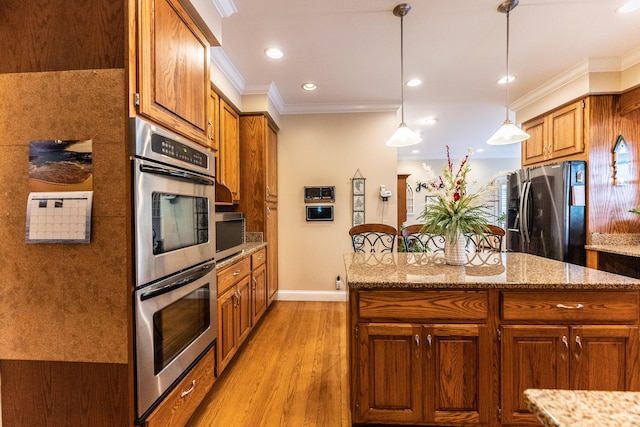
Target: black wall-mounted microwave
320	194
320	213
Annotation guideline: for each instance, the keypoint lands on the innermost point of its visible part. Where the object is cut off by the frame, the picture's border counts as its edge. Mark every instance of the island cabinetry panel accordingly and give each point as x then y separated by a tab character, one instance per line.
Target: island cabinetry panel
566	340
173	69
559	134
422	357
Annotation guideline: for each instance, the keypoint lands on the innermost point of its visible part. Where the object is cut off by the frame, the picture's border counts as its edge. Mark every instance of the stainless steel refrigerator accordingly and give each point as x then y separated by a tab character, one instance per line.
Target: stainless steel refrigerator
546	211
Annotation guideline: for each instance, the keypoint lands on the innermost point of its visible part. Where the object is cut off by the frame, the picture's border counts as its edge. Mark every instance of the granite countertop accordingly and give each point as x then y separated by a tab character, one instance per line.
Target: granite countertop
482	270
580	408
248	249
620	244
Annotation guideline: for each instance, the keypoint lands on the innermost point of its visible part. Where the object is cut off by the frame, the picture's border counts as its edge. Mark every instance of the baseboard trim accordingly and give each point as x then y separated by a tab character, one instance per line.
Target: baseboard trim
311	295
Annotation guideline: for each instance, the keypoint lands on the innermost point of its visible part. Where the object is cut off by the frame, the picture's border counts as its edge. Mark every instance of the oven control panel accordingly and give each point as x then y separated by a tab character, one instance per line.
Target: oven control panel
174	149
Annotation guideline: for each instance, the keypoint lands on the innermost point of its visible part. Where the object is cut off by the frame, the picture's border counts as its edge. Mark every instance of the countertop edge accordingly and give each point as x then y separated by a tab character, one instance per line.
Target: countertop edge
248	249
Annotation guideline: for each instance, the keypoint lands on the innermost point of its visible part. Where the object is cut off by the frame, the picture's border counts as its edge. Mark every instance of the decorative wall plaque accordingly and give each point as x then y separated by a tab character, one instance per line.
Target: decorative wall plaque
621	162
358	196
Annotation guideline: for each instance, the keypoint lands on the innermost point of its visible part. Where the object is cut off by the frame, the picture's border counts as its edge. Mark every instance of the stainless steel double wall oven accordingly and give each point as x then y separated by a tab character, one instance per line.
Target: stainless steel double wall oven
175	308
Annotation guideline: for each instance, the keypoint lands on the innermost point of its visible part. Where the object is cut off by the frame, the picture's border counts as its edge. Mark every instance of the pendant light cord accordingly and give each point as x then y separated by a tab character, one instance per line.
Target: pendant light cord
402	68
506	89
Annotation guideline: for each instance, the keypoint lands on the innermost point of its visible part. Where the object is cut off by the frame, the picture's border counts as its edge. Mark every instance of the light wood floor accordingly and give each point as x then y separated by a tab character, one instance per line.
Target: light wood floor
291	371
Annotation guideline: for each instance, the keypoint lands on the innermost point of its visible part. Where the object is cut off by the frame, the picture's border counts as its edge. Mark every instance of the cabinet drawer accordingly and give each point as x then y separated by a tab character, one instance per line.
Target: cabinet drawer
424	306
571	306
230	275
258	258
182	402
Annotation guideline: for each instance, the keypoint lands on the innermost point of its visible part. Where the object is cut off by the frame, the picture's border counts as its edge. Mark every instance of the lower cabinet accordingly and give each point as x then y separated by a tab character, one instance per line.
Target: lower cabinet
465	357
593	357
258	285
181	403
423	373
242	301
234	310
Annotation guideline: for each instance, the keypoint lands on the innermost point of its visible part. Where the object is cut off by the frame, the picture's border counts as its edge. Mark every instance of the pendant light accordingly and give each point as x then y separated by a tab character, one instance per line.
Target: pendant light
508	133
403	136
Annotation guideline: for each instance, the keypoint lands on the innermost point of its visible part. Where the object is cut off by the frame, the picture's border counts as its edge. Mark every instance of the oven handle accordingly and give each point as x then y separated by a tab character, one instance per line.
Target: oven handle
176	174
201	272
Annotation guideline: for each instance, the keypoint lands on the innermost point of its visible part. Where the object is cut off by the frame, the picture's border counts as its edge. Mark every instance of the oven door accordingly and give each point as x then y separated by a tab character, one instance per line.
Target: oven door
174	220
175	324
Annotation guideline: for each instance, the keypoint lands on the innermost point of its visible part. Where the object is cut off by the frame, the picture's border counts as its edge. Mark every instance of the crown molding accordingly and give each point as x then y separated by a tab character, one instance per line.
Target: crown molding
593	65
221	60
338	108
226	8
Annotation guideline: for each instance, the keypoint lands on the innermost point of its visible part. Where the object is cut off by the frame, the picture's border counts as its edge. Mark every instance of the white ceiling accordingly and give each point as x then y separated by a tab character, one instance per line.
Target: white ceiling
351	50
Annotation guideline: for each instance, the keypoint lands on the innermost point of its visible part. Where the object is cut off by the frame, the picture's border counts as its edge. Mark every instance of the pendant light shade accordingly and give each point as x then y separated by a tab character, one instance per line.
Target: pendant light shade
508	133
403	136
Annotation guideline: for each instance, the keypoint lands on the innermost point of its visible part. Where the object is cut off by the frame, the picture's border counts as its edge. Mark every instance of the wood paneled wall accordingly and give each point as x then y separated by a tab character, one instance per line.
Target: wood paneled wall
609	204
56	35
63	393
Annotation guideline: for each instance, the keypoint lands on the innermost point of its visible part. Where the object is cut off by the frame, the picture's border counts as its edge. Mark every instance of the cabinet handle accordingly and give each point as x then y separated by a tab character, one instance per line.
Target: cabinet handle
578	351
429	341
416	339
236	273
570	307
184	393
565	341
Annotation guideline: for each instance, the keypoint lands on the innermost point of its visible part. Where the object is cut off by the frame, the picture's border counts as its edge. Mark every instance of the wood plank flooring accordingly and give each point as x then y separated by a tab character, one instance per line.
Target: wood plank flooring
291	371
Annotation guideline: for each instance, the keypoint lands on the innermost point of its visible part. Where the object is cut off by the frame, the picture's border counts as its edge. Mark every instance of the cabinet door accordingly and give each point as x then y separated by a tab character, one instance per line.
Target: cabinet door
173	69
226	342
213	124
258	292
534	149
243	309
604	358
389	387
456	382
532	357
229	149
566	130
271	236
272	164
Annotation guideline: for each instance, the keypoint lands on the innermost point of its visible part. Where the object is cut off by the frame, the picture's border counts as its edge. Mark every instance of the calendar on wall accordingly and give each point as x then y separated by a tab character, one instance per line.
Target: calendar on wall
59	217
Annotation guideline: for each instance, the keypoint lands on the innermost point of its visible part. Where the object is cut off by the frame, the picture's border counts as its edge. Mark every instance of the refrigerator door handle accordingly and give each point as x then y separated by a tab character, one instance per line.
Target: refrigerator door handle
524	214
519	225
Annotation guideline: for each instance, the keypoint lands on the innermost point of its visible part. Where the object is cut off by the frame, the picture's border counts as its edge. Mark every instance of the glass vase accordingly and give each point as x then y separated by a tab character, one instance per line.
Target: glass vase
455	251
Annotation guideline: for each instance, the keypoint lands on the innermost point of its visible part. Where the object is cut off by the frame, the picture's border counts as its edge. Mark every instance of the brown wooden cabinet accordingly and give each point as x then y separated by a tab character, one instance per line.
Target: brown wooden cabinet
258	285
436	369
571	340
271	236
559	134
181	403
228	170
173	69
213	123
234	310
259	182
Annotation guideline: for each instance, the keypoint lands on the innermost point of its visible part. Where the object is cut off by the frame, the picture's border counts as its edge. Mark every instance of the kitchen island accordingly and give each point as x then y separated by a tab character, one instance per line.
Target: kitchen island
434	344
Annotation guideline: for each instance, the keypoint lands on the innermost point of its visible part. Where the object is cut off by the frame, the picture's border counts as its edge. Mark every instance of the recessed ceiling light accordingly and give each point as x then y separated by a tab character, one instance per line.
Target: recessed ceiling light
629	6
430	120
309	86
414	82
506	79
479	150
415	151
273	53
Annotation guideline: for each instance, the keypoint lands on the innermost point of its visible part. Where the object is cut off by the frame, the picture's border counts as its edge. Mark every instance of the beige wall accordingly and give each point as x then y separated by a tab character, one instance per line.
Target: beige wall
327	149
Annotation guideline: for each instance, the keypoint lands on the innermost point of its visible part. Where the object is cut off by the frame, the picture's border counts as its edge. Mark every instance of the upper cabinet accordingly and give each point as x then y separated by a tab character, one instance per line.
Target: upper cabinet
173	69
558	134
229	149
